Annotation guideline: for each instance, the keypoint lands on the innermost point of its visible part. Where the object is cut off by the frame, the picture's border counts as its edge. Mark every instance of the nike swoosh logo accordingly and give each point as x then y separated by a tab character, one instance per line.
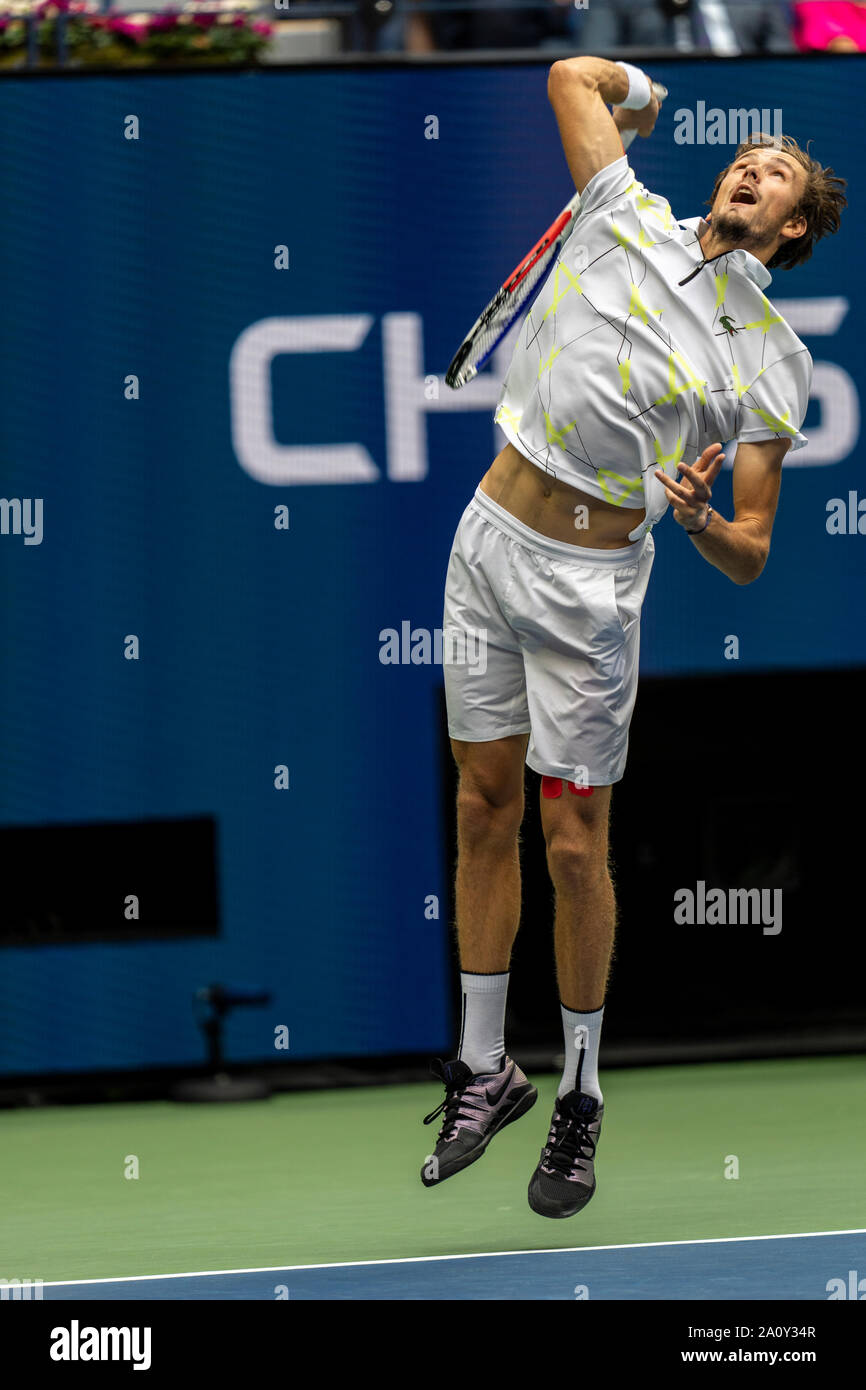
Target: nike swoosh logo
494	1097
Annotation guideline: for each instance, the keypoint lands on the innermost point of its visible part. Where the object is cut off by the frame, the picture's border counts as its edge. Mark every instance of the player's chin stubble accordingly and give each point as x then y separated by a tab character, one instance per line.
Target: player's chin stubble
731	226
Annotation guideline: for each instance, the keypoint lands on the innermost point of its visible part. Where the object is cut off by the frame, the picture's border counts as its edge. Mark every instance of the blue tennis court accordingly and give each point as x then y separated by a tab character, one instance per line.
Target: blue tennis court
796	1267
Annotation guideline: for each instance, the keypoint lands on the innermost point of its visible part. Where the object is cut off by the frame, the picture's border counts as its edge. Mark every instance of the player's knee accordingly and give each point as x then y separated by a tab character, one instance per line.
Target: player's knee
488	809
574	855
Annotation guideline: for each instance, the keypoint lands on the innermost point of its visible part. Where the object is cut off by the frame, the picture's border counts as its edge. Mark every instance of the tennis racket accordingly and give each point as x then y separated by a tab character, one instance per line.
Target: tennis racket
520	289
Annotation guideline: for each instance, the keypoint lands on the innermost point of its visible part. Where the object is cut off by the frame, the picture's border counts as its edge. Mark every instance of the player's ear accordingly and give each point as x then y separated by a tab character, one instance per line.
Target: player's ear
794	228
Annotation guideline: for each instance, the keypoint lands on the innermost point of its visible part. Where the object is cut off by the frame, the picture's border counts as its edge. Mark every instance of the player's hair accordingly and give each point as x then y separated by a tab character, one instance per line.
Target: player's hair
821	201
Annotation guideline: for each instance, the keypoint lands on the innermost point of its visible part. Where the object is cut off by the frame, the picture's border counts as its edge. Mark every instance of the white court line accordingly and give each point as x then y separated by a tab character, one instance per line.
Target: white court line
429	1259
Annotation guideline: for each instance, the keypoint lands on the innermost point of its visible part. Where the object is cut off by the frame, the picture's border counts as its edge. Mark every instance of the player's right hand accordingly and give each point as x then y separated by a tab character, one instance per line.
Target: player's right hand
642	121
648	117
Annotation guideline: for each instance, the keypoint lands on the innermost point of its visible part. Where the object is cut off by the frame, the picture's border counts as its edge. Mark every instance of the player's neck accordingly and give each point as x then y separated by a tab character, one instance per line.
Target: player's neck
713	245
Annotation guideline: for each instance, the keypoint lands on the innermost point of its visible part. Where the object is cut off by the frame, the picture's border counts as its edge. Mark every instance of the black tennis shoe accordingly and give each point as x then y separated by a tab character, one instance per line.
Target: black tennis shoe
564	1180
476	1107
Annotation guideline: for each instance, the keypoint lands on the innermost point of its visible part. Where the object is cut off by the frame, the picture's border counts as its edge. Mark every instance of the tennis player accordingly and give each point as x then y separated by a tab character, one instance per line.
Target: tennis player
651	343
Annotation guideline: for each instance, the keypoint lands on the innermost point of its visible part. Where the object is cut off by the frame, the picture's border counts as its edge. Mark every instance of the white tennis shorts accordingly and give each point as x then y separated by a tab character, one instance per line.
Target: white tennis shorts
543	637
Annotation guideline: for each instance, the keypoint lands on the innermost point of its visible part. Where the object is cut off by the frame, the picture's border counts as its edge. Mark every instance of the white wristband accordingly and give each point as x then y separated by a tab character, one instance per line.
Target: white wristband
640	90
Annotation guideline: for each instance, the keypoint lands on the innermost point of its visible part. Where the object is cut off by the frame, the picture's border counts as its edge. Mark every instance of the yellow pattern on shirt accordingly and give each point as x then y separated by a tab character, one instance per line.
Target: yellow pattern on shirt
558	296
693	383
630	485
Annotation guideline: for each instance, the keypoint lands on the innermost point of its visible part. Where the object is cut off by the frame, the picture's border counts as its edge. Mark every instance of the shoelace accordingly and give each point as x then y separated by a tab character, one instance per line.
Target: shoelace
457	1098
569	1140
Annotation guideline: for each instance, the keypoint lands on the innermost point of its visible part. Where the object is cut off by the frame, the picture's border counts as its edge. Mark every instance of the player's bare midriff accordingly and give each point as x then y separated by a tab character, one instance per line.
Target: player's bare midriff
551	507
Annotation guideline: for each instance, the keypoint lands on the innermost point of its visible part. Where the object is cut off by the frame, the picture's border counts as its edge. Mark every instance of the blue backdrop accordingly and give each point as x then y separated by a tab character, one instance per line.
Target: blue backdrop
171	378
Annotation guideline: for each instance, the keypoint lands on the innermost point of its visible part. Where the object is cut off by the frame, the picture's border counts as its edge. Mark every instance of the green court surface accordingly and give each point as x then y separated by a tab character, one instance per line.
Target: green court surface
327	1176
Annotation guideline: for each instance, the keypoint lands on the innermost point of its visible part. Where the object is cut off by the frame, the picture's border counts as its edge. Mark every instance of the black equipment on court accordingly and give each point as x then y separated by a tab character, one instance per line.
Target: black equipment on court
218	1085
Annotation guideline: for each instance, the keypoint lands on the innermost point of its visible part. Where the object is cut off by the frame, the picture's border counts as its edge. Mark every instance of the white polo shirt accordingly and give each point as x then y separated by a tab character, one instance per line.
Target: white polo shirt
620	369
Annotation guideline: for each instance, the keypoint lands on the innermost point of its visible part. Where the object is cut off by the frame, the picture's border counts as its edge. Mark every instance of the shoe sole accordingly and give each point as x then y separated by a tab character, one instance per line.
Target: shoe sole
558	1214
525	1103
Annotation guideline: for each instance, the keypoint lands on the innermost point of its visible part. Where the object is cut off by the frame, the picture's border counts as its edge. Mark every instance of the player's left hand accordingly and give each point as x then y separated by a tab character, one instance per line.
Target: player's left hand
691	497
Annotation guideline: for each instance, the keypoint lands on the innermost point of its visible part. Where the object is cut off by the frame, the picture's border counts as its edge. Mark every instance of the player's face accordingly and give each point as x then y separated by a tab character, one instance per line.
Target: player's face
757	197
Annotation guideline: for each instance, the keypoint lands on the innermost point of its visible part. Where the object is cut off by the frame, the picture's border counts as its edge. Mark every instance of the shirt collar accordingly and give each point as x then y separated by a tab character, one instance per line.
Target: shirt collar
749	264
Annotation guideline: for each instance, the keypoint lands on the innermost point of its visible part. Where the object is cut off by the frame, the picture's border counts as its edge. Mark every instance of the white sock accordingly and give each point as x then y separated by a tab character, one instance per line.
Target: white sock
482	1040
582	1036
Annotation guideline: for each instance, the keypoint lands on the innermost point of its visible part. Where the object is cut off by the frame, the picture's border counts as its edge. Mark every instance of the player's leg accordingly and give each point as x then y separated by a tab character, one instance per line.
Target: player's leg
484	1088
490	809
576	837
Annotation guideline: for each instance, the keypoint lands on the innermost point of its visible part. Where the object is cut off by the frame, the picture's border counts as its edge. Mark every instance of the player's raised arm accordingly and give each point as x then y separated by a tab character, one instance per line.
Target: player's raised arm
578	89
